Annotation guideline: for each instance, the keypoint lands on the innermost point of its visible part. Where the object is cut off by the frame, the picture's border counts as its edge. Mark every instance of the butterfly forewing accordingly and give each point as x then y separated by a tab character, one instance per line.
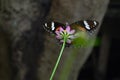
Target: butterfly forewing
52	26
85	25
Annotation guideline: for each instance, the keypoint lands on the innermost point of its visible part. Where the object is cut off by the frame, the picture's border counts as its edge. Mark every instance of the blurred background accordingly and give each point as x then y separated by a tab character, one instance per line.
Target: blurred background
27	53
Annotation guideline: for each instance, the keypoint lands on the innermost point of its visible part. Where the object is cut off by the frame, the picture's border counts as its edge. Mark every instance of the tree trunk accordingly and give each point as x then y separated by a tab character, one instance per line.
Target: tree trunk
34	53
72	59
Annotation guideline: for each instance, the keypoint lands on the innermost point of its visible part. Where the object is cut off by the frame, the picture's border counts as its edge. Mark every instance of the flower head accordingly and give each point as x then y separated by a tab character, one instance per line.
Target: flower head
65	34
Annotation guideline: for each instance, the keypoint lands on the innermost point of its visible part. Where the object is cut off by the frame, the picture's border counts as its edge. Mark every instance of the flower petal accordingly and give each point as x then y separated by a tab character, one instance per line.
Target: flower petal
61	29
59	37
61	41
69	41
72	32
68	29
71	37
57	33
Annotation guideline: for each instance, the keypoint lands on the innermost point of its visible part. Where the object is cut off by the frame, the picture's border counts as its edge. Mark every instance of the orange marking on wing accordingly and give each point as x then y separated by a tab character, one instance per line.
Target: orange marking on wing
81	28
57	29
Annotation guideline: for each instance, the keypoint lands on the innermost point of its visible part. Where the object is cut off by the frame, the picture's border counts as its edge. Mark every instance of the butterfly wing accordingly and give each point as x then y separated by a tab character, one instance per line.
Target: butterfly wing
52	26
84	25
82	29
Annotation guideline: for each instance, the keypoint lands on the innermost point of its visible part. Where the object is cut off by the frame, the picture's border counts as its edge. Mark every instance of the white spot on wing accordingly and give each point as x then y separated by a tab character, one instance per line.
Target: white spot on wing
95	23
53	26
45	24
86	25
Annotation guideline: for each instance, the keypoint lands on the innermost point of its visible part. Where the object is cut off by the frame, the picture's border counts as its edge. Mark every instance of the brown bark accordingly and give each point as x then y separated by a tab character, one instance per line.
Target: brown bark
100	74
5	66
70	11
22	20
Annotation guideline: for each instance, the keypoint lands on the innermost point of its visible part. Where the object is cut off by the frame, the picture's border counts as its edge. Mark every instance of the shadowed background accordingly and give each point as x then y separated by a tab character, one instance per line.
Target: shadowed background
27	52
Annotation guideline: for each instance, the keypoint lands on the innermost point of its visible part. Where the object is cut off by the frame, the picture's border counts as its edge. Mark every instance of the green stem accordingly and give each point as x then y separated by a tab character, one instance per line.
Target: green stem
58	60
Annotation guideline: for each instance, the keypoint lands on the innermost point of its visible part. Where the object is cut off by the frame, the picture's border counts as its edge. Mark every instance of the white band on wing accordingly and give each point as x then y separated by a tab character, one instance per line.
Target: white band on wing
46	24
86	25
95	23
53	26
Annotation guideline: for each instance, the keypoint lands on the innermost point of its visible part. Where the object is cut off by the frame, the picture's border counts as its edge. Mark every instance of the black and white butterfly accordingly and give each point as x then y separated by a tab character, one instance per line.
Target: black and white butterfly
86	26
83	25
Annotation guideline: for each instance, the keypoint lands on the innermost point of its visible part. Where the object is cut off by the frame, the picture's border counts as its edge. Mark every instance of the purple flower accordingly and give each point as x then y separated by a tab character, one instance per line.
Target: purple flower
65	33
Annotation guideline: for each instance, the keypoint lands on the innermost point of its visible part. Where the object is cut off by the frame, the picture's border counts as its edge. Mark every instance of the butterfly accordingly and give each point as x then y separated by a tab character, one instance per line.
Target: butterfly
85	26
